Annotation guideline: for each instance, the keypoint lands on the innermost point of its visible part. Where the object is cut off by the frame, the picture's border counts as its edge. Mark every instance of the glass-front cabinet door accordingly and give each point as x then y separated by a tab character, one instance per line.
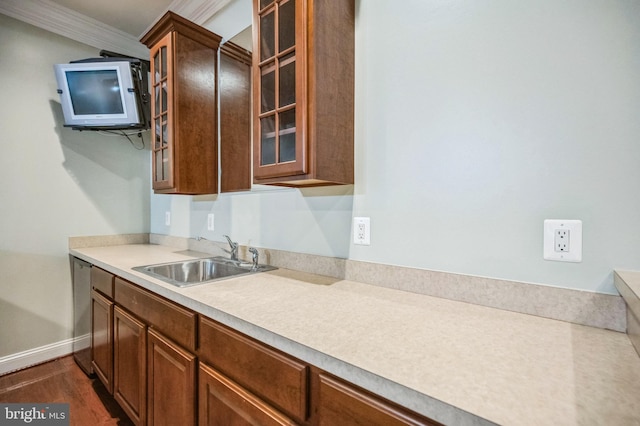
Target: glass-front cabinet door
279	68
161	122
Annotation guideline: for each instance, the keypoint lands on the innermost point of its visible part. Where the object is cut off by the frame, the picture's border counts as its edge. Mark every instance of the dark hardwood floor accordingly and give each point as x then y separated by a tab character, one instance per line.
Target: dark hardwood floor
60	381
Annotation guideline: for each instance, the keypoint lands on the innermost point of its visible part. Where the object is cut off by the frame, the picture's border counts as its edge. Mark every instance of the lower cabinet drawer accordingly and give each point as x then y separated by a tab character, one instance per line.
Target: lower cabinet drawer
343	404
223	402
172	320
102	281
273	376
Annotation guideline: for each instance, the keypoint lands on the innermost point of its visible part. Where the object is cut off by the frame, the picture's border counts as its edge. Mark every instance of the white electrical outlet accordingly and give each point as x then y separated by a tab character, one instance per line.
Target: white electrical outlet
167	218
562	240
362	231
210	222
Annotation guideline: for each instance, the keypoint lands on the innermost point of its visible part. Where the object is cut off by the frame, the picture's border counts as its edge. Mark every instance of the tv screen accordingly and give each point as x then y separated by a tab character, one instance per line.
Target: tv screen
102	94
95	92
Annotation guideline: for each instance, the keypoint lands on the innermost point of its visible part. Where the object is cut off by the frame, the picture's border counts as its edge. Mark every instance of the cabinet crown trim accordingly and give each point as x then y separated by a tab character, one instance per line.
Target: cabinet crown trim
171	21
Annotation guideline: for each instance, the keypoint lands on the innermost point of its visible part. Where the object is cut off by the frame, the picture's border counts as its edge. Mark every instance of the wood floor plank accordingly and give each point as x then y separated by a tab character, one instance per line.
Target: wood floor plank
62	381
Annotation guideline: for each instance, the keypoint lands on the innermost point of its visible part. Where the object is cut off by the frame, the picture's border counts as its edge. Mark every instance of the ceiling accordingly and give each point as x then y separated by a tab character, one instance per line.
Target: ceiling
118	25
131	16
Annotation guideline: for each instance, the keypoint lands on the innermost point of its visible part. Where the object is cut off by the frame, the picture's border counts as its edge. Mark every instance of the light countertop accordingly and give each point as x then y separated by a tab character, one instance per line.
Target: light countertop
455	362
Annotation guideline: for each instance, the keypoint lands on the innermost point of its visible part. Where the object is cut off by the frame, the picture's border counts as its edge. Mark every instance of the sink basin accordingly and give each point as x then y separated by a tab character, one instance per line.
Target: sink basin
199	271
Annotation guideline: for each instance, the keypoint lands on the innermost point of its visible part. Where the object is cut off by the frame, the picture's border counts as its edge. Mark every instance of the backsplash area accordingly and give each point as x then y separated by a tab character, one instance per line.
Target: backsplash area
575	306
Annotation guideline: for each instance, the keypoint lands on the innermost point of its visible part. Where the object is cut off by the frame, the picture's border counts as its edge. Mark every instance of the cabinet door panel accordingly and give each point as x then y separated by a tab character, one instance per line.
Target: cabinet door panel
171	381
273	376
345	405
102	338
161	119
279	68
130	366
303	66
223	402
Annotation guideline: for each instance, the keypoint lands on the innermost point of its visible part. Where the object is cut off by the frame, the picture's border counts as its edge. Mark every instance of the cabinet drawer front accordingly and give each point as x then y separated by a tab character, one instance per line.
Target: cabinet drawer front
223	402
175	322
102	281
274	377
346	405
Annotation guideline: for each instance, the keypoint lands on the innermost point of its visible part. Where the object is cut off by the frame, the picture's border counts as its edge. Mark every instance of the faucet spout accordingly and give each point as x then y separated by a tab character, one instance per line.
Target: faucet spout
254	253
234	248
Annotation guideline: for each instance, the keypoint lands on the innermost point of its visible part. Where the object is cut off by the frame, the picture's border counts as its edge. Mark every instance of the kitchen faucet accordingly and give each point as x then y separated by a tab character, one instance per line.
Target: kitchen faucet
255	255
234	248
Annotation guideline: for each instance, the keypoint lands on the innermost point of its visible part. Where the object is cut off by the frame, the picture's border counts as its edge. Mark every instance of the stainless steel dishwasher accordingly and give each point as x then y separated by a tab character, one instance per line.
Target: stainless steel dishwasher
81	281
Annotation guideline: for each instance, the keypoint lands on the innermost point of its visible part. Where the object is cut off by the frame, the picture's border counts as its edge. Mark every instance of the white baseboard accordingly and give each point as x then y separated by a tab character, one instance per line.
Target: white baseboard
42	354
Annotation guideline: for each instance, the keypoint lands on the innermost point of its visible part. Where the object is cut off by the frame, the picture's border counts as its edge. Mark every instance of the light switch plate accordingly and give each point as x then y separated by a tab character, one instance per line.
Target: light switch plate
562	240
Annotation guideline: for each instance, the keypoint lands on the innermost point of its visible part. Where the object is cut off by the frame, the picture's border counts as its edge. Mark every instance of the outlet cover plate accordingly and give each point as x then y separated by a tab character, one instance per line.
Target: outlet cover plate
362	231
574	228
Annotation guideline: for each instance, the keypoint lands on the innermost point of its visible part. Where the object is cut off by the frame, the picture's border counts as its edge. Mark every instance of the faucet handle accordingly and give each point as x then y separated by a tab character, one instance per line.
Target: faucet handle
234	248
255	256
231	243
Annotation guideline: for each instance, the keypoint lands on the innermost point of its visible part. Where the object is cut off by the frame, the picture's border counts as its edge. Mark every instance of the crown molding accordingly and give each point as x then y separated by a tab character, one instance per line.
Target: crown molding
197	11
68	23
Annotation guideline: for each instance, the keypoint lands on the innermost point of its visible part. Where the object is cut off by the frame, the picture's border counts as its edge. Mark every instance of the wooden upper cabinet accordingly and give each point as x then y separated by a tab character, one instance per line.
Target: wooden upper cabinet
303	65
183	106
235	118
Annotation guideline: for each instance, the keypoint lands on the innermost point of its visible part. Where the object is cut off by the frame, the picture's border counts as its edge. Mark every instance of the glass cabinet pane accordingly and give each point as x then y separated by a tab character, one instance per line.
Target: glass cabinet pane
267	36
165	164
163	95
158	138
268	140
286	25
287	136
156	95
163	60
165	134
158	165
287	84
268	91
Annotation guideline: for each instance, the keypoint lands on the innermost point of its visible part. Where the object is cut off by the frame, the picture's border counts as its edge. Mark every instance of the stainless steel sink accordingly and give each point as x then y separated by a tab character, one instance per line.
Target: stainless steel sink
199	271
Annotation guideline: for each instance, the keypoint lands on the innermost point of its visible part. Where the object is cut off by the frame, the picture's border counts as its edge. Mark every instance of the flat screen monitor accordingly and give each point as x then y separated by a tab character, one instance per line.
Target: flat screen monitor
100	95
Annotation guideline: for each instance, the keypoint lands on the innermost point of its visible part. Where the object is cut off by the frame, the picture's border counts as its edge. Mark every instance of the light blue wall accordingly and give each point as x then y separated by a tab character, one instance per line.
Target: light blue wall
56	183
475	121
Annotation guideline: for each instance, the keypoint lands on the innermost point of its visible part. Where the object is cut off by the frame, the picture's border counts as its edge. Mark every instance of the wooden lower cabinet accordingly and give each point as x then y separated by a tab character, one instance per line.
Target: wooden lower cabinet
171	381
340	403
102	338
167	365
223	402
130	365
277	378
